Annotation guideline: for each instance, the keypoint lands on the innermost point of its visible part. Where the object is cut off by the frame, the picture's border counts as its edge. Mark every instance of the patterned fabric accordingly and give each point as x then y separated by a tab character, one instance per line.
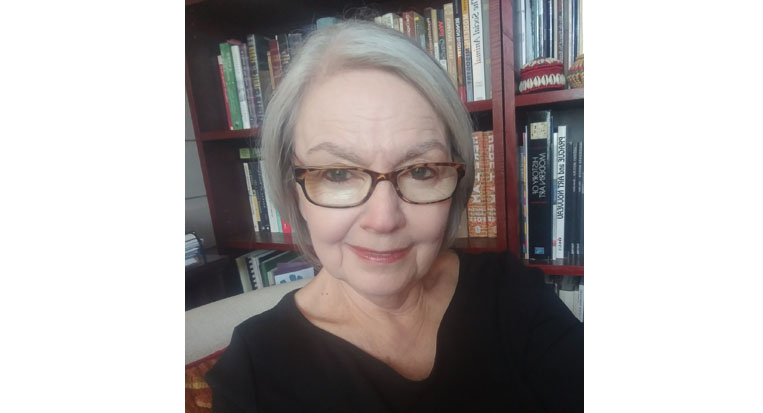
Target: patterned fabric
544	73
198	395
575	74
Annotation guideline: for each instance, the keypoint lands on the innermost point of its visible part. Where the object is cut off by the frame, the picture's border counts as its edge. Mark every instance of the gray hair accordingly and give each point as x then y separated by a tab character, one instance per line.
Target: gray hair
352	45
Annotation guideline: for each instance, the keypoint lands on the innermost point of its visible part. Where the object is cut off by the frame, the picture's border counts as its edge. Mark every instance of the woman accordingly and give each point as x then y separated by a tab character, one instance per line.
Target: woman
375	151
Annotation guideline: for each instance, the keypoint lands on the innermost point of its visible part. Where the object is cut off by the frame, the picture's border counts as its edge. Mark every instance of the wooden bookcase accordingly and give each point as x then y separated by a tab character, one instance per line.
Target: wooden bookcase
210	22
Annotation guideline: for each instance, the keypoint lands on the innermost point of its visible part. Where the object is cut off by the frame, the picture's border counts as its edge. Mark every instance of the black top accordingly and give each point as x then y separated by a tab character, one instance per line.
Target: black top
506	343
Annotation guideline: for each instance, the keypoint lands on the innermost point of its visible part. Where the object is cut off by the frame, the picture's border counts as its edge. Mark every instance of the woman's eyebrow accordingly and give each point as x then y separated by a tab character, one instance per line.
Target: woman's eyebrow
336	151
412	153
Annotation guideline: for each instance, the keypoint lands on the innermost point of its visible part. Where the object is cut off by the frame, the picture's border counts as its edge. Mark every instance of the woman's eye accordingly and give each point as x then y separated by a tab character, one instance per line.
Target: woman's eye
337	175
422	172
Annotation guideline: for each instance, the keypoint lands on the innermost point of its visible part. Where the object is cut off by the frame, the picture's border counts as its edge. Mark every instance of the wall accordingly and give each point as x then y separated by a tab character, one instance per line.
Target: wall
197	217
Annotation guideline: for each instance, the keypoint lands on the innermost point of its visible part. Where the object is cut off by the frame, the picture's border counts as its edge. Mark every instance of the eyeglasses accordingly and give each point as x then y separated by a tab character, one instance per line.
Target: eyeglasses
345	187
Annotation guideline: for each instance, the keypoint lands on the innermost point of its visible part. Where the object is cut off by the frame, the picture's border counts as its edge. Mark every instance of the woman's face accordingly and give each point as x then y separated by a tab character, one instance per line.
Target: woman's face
372	119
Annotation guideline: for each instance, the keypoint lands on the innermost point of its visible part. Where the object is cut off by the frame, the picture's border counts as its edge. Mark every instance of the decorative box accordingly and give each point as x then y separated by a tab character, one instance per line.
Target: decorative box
544	73
575	74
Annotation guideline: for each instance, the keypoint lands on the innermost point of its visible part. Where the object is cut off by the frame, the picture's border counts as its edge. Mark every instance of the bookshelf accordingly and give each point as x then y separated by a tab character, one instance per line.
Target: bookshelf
210	22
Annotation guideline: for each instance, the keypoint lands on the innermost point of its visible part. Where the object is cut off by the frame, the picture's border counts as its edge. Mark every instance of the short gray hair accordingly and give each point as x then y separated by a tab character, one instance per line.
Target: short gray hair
351	45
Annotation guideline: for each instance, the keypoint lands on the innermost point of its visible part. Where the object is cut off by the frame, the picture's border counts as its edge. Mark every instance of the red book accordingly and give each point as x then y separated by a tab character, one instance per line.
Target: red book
275	57
225	92
408	28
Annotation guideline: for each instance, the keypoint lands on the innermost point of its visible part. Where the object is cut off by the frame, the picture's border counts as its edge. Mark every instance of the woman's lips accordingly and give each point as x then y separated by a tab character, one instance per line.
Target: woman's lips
380	257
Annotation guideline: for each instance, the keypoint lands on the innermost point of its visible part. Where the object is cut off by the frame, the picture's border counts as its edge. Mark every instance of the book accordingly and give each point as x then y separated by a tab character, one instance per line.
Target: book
292	271
476	207
539	176
467	51
435	43
248	270
573	122
258	64
275	62
430	30
478	64
408	28
560	168
525	205
520	49
450	43
457	28
420	29
225	91
388	20
553	172
271	211
230	83
441	42
240	87
248	88
252	197
259	190
486	48
268	264
488	141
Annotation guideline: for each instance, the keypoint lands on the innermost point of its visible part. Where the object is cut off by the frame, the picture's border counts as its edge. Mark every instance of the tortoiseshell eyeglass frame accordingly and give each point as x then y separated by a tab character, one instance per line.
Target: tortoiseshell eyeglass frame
376	177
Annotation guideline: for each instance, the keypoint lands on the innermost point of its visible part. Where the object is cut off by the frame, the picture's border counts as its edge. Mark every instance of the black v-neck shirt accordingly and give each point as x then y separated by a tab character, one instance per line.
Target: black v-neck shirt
505	343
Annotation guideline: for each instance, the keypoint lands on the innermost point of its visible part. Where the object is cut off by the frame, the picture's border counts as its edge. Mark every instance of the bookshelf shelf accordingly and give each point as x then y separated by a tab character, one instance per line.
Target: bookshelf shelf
229	134
479	106
558	267
566	96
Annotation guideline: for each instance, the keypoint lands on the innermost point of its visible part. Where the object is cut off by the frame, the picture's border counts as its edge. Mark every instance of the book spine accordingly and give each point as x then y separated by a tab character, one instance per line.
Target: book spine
579	220
430	44
486	54
572	149
275	60
539	184
271	212
476	206
408	29
450	43
247	177
420	30
283	52
230	82
553	171
525	200
466	32
541	22
561	189
492	218
225	91
435	36
441	42
457	27
259	190
478	65
254	69
389	20
248	88
529	32
240	87
559	30
243	274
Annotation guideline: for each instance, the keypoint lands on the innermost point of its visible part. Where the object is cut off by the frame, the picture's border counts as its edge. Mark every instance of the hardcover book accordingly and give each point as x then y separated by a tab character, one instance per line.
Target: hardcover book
457	27
539	182
467	51
225	91
476	207
258	64
450	43
489	148
238	72
478	64
230	85
486	54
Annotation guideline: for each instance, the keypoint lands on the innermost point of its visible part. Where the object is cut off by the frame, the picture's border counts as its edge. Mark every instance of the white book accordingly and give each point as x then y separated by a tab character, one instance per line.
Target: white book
388	20
241	89
552	157
486	47
478	63
560	168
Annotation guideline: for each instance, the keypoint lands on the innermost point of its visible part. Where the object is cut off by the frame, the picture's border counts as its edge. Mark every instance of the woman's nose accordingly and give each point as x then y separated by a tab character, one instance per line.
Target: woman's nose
383	213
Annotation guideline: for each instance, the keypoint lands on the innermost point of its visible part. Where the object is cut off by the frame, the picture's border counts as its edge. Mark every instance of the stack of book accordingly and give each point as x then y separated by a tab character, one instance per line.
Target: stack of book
251	70
547	28
265	217
263	268
481	210
193	249
551	185
457	36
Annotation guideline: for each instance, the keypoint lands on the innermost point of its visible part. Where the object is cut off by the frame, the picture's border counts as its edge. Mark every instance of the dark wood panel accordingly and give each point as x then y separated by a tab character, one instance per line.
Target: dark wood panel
555	97
511	166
